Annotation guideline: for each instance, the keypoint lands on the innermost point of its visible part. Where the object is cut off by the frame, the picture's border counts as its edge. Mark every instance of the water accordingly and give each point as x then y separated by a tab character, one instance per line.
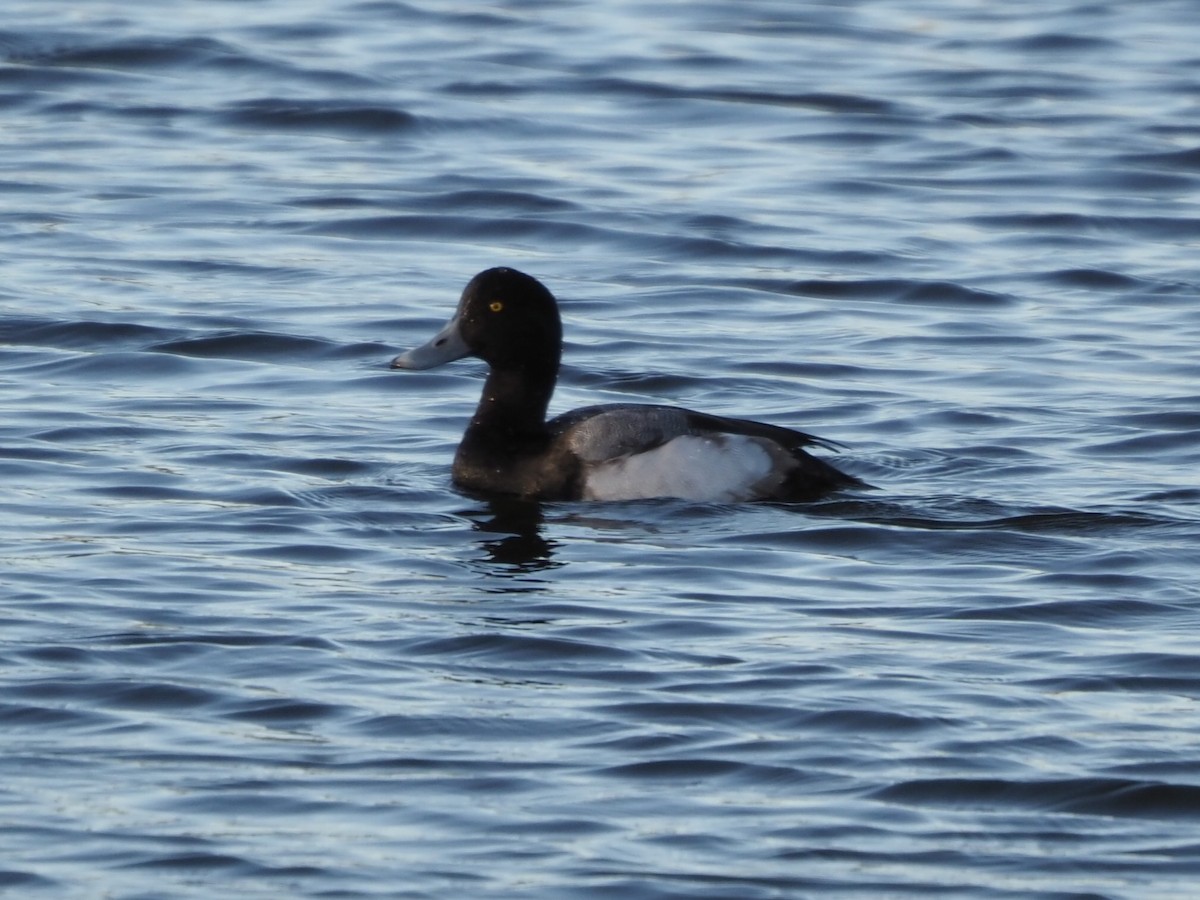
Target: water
253	643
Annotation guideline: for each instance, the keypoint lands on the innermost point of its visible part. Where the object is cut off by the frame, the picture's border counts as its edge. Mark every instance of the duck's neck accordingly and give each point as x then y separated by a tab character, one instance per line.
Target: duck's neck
515	398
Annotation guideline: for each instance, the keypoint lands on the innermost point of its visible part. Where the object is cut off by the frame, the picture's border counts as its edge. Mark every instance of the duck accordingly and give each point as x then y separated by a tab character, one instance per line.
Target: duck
613	451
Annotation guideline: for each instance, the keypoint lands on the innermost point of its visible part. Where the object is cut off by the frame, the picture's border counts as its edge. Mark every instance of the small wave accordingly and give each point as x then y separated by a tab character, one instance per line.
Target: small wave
281	712
1061	43
321	116
19	716
922	293
1092	279
134	53
118	694
307	553
712	714
692	769
119	366
1093	613
78	334
245	346
176	645
518	648
1157	227
199	862
40	52
427	226
12	878
1183	160
1166	420
1181	445
1123	798
853	104
495	200
963	513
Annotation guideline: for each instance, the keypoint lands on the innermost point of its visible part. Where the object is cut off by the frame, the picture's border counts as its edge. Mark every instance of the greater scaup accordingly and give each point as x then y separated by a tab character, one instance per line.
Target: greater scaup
611	452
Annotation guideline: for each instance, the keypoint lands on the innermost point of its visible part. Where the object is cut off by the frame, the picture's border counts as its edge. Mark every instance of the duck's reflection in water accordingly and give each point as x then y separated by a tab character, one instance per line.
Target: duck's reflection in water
512	536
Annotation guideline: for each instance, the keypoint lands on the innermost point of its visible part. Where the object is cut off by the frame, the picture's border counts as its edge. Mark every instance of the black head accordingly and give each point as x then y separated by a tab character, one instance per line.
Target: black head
505	317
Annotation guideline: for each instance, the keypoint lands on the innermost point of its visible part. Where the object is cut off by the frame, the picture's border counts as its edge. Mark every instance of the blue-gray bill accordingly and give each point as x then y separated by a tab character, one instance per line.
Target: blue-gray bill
445	346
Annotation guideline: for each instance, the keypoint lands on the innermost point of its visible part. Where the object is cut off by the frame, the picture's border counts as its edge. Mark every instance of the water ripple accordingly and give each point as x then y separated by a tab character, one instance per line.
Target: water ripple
247	618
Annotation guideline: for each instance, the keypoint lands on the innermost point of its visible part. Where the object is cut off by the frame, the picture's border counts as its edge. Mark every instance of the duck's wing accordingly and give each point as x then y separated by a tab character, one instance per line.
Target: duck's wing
788	438
610	431
597	433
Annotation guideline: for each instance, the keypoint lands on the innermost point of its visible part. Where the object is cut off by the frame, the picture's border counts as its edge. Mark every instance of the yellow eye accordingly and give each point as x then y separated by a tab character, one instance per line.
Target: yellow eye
496	306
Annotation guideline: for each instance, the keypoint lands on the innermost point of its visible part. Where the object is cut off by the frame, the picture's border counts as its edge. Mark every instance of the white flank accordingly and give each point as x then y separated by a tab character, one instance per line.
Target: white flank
722	468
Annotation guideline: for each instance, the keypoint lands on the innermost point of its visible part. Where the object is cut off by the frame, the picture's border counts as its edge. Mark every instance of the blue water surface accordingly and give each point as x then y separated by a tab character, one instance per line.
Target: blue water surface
252	641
